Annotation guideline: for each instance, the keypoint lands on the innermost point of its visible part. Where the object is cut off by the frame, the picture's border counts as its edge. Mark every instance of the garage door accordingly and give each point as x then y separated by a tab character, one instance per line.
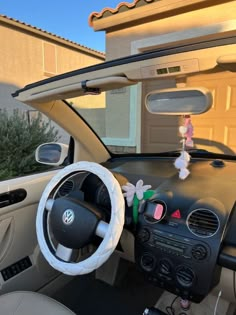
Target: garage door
158	133
219	124
214	130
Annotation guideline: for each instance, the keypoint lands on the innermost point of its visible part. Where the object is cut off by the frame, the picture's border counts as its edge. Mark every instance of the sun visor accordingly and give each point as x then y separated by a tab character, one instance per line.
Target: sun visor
173	63
74	89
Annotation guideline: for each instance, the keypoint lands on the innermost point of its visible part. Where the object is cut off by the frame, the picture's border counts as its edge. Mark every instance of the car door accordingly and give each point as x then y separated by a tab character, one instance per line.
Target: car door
22	266
22	181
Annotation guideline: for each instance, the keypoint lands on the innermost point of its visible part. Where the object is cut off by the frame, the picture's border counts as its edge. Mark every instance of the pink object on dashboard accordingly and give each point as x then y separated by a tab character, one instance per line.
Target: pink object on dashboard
158	212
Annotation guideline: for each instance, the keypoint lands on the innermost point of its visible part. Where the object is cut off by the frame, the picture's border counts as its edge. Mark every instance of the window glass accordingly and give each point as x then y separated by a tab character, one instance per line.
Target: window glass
22	130
109	115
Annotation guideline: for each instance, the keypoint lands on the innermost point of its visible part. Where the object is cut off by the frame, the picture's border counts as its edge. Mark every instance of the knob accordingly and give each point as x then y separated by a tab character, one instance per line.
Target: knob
144	235
148	262
199	252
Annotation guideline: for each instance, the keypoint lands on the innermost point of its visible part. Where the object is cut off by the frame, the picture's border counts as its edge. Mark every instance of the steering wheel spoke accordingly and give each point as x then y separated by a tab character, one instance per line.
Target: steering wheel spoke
102	228
49	205
64	253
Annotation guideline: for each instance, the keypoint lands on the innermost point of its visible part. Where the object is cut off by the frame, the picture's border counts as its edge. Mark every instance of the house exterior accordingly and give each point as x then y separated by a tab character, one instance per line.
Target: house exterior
29	54
145	25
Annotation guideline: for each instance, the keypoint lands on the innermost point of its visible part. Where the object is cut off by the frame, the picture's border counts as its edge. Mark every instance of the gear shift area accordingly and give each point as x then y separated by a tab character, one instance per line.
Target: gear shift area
153	311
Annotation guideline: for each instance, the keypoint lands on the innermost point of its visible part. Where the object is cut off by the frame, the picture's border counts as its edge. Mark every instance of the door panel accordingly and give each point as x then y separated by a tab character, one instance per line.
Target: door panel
22	266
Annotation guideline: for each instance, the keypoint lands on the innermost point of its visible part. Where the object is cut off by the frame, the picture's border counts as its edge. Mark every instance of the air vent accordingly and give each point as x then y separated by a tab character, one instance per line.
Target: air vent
65	188
185	276
203	222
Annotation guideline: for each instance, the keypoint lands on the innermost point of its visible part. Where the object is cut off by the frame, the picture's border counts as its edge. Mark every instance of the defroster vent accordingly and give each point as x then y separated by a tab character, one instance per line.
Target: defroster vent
203	222
66	188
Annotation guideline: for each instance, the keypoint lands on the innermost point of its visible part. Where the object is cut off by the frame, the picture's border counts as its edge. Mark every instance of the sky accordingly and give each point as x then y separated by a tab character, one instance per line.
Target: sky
68	19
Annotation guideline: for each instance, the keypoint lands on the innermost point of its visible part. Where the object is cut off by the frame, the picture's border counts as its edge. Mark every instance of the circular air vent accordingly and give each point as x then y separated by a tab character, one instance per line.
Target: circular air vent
203	222
185	276
65	188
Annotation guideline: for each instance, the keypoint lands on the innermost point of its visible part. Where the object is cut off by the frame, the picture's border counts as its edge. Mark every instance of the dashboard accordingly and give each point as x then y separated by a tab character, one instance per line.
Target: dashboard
185	231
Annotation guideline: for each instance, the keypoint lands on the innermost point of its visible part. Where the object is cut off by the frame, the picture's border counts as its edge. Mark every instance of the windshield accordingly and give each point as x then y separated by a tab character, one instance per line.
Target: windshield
123	123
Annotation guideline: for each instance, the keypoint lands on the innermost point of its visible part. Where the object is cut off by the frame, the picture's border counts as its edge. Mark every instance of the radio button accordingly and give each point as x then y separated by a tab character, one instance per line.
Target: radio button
173	224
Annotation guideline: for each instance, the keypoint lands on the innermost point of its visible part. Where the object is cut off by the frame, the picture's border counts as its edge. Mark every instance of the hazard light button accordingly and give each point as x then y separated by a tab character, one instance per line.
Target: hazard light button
176	214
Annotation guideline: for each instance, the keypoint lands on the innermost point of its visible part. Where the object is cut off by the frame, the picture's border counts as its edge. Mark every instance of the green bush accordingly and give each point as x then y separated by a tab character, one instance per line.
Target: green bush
18	141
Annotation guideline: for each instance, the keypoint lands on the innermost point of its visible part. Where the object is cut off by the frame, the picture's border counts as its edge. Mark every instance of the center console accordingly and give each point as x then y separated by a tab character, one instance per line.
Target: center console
173	255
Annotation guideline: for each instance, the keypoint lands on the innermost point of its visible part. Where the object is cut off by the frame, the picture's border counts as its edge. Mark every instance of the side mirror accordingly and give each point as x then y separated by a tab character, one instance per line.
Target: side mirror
51	153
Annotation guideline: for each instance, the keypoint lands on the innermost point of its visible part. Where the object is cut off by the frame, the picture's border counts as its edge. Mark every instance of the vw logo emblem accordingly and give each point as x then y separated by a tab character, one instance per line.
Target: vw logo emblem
68	217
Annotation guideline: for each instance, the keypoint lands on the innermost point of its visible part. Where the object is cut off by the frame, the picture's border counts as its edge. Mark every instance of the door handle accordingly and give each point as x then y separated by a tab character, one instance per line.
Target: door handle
12	197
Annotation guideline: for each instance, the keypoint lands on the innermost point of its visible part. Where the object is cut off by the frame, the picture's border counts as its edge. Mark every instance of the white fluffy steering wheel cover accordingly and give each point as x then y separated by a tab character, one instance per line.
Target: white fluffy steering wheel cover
115	226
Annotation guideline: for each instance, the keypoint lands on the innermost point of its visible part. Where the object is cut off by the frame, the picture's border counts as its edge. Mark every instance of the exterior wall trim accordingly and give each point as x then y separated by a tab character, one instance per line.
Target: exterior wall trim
147	13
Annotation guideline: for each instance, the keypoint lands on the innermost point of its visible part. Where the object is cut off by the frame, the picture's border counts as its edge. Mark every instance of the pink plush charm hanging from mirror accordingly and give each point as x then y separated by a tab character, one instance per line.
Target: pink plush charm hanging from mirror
181	163
189	131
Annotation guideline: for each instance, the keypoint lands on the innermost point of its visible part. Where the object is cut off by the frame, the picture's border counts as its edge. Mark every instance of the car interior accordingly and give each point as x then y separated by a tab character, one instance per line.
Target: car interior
126	233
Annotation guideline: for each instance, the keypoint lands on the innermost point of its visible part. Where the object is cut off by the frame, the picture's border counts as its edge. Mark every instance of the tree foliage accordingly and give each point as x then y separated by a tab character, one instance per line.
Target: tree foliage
19	139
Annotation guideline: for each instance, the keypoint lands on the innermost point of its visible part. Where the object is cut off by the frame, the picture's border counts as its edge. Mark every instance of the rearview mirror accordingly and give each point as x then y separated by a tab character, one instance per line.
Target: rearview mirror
52	153
179	101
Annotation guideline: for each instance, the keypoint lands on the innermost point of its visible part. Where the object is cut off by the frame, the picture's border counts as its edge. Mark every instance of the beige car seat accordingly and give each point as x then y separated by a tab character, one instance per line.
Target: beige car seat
31	303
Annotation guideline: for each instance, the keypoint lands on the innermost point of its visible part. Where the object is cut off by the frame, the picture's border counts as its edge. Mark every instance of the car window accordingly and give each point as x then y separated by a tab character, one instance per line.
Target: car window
109	115
124	124
22	130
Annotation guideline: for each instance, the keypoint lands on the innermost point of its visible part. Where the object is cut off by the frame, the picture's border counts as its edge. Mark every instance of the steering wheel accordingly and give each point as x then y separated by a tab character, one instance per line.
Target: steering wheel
74	223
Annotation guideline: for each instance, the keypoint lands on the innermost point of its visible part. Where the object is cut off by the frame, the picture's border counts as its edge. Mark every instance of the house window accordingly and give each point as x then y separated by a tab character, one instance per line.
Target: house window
49	59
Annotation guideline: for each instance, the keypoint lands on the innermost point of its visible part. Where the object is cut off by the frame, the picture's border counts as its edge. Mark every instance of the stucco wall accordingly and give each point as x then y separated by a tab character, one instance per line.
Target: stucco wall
22	60
22	56
119	41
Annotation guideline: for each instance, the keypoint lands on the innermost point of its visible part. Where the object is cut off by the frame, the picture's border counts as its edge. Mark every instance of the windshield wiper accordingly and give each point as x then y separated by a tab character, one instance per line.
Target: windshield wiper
177	152
194	153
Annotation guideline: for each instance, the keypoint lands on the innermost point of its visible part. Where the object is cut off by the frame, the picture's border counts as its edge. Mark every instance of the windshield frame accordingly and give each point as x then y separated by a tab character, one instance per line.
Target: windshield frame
50	89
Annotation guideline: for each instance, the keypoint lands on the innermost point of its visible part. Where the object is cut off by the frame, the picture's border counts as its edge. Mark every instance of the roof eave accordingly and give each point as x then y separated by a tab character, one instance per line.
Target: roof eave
147	13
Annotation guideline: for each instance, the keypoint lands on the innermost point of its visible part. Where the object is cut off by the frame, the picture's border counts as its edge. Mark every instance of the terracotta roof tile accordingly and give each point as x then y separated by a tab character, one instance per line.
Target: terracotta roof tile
123	6
82	47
